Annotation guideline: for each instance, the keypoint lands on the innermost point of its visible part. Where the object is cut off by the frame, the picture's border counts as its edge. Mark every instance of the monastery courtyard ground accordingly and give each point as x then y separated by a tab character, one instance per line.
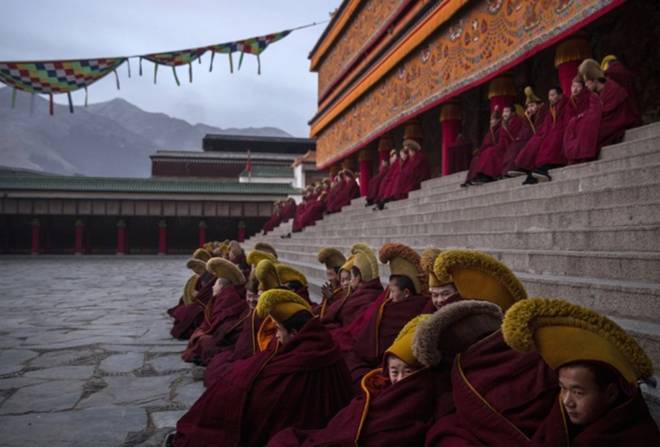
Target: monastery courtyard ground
86	358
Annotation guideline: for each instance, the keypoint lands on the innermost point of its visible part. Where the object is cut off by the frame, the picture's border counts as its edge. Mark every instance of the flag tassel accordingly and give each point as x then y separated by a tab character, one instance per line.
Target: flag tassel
85	96
258	65
190	72
68	95
155	72
13	98
128	65
212	57
176	78
231	63
50	104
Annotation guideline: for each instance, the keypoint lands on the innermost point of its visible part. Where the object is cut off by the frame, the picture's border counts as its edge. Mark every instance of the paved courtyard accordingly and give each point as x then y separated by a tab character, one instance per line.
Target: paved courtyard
86	358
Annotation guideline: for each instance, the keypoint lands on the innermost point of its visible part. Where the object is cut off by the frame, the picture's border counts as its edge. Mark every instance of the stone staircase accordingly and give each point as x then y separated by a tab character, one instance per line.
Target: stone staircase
592	235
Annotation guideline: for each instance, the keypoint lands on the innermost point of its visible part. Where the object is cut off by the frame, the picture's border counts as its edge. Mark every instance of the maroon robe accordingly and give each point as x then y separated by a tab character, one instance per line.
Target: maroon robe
313	212
189	316
618	115
460	155
618	72
490	139
343	312
581	136
414	171
374	185
527	131
385	321
333	195
300	213
201	280
288	211
246	345
491	159
270	391
550	151
389	182
627	424
383	415
221	318
501	396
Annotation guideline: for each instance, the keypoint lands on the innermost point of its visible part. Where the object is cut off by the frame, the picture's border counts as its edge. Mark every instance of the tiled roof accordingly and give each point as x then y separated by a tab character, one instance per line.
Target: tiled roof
269	171
142	185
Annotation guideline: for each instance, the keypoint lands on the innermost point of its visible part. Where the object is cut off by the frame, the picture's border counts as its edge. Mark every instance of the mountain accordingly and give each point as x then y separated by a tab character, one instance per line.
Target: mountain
113	138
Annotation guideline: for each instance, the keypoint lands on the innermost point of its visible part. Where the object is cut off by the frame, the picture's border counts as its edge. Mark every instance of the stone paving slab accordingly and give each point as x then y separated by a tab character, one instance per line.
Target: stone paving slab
87	360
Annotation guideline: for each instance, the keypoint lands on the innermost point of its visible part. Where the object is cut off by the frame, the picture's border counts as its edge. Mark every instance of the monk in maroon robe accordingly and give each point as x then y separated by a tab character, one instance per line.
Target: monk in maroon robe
189	316
343	312
414	170
532	120
488	411
490	139
272	390
347	191
333	193
222	317
491	159
314	211
375	182
619	73
388	183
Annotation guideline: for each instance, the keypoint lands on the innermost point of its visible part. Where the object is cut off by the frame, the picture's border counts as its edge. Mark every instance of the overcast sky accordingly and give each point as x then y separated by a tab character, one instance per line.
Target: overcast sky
283	96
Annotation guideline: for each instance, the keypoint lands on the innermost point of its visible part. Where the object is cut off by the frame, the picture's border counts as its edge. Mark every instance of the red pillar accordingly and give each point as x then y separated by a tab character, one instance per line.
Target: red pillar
569	55
162	237
36	230
121	237
365	171
80	229
450	123
202	233
241	231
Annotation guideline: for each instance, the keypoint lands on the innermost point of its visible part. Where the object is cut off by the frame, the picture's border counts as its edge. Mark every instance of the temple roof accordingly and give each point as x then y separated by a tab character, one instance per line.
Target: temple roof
256	144
269	171
223	155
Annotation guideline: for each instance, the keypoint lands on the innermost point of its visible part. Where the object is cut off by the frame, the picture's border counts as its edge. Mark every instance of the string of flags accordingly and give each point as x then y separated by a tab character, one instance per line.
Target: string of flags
66	76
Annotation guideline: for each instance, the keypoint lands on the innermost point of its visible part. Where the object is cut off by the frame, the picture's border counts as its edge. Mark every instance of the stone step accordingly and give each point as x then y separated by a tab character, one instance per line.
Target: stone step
644	238
645	131
633	266
515	217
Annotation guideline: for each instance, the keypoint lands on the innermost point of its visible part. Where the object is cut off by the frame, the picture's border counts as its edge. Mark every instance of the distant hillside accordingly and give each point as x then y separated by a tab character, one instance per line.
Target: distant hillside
113	138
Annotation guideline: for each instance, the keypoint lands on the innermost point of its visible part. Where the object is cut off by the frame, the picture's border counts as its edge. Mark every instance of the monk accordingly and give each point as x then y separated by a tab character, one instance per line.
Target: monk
364	288
375	182
382	321
388	183
187	317
598	401
491	159
222	315
531	122
490	139
274	389
246	343
315	210
333	192
610	112
415	168
348	190
274	219
300	210
486	373
331	290
540	154
236	255
619	73
288	210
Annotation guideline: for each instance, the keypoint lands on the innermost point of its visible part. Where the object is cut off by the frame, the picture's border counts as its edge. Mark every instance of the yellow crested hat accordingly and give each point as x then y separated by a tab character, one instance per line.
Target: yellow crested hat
402	347
256	256
189	288
202	254
208	246
426	261
404	261
605	63
348	265
530	96
280	304
590	70
223	268
266	274
287	274
196	265
263	246
479	276
563	333
365	261
331	257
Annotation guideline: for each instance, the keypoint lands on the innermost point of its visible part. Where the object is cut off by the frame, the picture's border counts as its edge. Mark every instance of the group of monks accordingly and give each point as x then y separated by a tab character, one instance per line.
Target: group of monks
452	352
571	128
283	211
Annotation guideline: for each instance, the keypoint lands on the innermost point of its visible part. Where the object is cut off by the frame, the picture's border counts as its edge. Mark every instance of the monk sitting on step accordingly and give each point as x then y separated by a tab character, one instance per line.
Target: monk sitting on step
302	381
331	290
598	401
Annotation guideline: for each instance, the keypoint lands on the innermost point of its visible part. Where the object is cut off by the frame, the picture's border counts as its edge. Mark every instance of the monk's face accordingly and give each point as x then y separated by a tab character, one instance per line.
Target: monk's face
443	295
531	109
591	85
494	121
345	279
331	276
403	154
355	280
393	157
576	88
251	298
582	398
396	294
397	369
506	113
284	336
553	96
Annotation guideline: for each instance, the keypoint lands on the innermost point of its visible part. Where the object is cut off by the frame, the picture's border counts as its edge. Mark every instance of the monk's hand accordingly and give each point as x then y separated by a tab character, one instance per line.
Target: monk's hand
326	290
